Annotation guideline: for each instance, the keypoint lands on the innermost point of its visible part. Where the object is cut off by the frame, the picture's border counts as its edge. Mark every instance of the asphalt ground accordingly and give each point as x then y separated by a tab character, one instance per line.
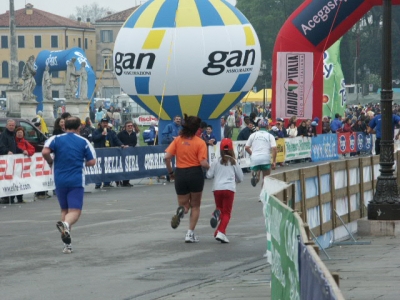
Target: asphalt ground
125	248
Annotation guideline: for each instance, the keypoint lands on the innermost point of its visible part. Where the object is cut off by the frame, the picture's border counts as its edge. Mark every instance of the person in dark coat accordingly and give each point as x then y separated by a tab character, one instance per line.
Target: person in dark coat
128	137
104	137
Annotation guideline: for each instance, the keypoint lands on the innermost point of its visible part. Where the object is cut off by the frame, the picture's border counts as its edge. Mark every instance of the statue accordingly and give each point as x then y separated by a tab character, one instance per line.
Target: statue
28	76
83	82
46	84
71	84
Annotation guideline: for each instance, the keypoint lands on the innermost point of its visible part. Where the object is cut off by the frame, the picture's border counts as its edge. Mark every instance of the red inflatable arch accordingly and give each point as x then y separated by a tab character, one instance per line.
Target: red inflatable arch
297	63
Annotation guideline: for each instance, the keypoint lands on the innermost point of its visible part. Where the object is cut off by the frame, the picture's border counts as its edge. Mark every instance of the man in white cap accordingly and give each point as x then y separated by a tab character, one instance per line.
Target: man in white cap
261	146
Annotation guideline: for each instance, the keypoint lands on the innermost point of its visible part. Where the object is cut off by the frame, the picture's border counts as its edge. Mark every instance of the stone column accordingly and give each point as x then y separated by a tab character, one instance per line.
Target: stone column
72	106
84	109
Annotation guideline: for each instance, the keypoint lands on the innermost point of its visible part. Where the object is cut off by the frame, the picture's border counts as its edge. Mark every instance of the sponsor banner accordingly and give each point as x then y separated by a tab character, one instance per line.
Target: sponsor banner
298	148
242	157
347	142
145	120
364	142
334	99
280	151
324	147
131	163
313	283
294	85
317	20
284	229
20	174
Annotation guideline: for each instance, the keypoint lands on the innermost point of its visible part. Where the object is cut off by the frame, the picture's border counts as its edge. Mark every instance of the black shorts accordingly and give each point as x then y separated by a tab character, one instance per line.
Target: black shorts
189	180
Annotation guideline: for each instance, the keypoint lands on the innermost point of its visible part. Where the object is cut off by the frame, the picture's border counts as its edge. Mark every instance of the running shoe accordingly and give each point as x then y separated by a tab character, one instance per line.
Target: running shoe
222	238
215	218
191	238
176	219
67	248
254	179
64	229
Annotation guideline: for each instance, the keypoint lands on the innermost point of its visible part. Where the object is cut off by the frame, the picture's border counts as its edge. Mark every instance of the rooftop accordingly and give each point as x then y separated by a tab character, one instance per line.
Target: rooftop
119	16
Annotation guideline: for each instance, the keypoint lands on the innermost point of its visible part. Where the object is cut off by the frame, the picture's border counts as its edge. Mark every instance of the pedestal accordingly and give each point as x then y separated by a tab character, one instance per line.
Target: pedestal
14	98
48	114
84	108
378	228
28	109
72	106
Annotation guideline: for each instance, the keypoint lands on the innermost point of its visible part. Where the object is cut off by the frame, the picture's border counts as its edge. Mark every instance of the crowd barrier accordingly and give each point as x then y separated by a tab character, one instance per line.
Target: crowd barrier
23	175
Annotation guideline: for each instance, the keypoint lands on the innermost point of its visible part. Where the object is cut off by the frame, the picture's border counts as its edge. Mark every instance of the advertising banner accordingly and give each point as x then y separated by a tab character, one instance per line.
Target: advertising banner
145	120
364	142
20	174
294	85
284	229
280	151
242	157
343	142
298	148
324	147
334	98
115	164
313	283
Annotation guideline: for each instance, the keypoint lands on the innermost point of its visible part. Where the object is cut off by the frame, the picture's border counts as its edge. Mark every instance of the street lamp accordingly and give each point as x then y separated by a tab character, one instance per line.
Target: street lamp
386	202
264	70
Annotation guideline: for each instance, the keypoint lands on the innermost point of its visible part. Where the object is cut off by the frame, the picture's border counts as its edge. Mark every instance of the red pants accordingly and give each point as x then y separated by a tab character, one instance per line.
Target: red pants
224	202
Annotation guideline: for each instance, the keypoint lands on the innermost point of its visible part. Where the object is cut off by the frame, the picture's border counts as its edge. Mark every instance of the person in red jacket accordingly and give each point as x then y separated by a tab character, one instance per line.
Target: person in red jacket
26	148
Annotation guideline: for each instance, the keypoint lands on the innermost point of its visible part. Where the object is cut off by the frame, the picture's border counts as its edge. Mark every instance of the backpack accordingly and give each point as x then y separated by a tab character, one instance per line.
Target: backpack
149	135
231	121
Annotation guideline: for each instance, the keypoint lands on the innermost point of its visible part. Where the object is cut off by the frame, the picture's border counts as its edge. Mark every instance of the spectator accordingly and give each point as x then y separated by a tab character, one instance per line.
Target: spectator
99	115
202	129
153	134
347	126
104	137
136	129
128	137
87	130
226	131
336	123
209	137
59	126
116	116
292	130
43	125
326	125
171	131
302	129
245	133
280	123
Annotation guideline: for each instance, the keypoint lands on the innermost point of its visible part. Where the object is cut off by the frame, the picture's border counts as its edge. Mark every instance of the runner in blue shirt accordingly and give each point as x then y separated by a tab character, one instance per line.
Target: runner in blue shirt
71	154
376	125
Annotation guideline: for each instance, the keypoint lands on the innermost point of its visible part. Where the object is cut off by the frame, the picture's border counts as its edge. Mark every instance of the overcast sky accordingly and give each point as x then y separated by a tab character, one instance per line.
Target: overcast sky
66	8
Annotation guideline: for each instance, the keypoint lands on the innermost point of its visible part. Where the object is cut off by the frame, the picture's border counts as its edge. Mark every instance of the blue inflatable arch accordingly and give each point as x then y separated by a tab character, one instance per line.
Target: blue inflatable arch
57	61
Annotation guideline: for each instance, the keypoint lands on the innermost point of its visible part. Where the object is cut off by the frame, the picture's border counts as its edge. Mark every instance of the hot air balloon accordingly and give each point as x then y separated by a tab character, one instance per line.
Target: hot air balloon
198	57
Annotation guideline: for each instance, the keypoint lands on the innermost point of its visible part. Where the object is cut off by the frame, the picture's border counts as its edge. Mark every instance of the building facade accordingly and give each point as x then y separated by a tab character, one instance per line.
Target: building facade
107	29
37	30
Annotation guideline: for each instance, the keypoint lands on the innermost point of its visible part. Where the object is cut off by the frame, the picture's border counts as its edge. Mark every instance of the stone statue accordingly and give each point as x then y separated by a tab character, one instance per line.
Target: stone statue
71	84
46	84
28	76
83	82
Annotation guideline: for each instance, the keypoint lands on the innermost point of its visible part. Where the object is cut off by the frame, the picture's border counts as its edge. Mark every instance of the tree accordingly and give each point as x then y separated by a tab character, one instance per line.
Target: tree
92	11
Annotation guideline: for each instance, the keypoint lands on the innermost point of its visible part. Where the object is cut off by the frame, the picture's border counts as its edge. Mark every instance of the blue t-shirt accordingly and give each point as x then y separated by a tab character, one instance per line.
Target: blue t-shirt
70	153
376	124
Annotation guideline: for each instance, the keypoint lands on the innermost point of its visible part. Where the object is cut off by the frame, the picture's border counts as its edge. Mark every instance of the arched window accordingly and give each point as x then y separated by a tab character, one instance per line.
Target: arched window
21	65
4	69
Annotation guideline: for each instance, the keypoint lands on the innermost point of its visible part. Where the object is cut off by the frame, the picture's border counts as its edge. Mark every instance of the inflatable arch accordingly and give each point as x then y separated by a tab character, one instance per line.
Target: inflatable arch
297	72
57	61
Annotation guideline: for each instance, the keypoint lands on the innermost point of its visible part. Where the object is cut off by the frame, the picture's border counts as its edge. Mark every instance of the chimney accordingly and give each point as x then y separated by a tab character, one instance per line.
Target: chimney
79	19
88	21
29	9
109	13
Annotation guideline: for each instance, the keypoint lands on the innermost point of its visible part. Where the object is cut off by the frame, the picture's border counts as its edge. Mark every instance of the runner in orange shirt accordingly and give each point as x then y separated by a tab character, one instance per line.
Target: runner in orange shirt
191	156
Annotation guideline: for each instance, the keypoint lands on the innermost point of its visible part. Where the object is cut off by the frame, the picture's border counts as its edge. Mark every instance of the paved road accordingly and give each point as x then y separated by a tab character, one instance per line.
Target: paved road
124	248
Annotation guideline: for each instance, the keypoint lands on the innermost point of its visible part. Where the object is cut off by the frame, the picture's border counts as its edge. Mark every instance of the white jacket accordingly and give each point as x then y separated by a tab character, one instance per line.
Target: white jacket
225	177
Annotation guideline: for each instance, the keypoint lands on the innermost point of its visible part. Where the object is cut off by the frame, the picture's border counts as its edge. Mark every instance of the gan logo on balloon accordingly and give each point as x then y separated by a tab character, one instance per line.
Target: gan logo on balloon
198	57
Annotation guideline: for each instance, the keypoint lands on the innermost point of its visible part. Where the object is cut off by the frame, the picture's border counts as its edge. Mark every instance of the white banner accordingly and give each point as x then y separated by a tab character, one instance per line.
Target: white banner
20	174
145	120
242	157
294	85
297	148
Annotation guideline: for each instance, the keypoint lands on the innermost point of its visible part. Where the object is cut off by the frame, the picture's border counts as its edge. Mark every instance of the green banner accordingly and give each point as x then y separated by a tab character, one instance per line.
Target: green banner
334	98
284	229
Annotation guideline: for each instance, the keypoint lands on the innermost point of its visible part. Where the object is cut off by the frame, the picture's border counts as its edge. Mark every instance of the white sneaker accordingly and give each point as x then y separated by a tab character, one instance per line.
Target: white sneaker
64	229
67	249
191	238
222	238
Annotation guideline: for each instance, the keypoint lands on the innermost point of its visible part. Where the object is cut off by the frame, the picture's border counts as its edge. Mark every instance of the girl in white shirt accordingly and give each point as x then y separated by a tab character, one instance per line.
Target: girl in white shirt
226	173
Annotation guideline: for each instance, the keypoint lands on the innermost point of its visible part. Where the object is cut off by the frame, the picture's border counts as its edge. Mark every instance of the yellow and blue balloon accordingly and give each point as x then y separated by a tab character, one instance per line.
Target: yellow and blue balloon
198	57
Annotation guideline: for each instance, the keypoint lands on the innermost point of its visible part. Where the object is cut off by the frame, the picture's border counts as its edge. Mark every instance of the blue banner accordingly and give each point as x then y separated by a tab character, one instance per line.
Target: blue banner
324	147
364	142
313	283
114	164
